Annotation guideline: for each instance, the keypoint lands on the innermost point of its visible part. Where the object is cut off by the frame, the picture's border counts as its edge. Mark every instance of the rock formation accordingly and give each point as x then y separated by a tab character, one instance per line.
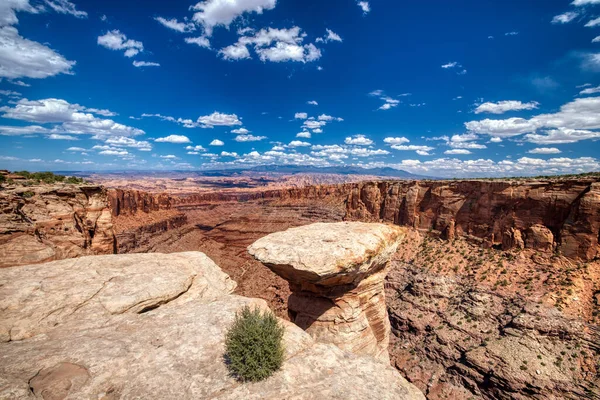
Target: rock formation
336	273
152	326
553	215
53	222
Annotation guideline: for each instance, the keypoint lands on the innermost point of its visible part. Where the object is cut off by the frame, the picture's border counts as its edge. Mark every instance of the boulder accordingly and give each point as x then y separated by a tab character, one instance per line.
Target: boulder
152	326
540	238
336	273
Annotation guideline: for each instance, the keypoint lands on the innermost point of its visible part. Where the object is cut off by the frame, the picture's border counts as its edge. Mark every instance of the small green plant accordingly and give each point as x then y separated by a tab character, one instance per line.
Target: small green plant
254	347
2	179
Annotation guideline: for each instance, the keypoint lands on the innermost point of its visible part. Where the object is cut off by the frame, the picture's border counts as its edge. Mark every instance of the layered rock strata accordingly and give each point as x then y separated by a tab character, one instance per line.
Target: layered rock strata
53	222
336	273
152	326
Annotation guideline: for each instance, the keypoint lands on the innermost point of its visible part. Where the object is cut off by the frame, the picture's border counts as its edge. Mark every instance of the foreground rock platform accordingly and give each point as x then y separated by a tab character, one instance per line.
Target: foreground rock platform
336	273
152	326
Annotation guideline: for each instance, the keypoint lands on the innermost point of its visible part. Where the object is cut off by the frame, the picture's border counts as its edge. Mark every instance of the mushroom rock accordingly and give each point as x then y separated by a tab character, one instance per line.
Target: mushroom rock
336	273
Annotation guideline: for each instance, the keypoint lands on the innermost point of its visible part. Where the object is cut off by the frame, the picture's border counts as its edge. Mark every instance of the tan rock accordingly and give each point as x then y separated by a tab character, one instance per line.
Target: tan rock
336	273
540	238
152	326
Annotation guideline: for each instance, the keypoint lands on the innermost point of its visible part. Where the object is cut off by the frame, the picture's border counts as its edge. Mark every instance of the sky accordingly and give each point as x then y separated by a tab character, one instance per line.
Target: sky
450	89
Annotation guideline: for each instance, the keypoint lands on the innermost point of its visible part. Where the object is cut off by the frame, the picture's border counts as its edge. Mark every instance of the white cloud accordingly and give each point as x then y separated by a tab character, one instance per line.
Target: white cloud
594	22
173	139
8	9
249	138
312	124
145	64
318	130
213	13
196	148
511	33
496	140
364	6
120	152
312	102
575	116
565	18
176	25
240	131
66	7
305	135
562	136
228	154
170	157
451	65
301	115
56	136
591	90
22	130
275	45
396	140
122	141
78	149
360	140
545	150
298	143
596	39
200	41
505	106
389	101
115	40
23	58
585	2
330	36
219	119
457	151
411	147
217	142
236	51
328	118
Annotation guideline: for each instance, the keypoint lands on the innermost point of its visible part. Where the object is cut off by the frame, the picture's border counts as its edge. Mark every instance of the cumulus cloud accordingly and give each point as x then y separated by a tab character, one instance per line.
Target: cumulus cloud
176	25
249	138
562	136
545	150
72	118
122	141
312	102
592	23
200	41
301	115
213	13
411	147
170	157
114	152
145	64
395	140
173	139
240	131
115	40
389	102
305	135
196	148
228	154
590	90
329	37
458	151
360	140
585	2
574	119
56	136
219	119
364	6
565	18
513	33
65	7
23	58
505	106
217	142
275	45
298	143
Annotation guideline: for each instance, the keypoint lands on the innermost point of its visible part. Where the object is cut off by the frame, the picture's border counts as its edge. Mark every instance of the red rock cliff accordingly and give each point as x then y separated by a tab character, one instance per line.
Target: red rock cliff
546	215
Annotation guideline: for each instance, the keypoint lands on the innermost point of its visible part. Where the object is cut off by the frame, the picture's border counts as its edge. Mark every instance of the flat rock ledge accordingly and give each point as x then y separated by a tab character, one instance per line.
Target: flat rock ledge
336	273
152	326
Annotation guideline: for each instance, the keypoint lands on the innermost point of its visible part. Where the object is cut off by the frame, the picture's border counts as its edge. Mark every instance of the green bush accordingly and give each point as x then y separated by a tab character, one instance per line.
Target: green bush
2	179
254	345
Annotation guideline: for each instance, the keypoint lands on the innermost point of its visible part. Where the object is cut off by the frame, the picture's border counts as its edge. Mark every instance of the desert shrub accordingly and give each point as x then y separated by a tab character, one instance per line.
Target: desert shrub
27	195
254	345
2	179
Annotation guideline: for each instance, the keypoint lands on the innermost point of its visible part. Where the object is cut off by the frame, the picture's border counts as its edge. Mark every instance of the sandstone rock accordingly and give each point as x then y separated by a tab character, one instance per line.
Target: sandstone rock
540	238
45	223
153	327
336	274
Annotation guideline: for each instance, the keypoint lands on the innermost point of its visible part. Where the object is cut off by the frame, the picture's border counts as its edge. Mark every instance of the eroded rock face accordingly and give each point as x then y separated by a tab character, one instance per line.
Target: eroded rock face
153	326
336	273
45	223
542	215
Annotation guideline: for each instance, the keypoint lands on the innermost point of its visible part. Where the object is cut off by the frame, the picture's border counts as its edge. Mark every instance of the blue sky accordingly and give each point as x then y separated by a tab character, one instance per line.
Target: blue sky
478	88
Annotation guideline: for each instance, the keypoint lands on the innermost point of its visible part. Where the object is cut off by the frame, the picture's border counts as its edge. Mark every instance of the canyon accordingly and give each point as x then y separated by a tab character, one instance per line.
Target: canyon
495	293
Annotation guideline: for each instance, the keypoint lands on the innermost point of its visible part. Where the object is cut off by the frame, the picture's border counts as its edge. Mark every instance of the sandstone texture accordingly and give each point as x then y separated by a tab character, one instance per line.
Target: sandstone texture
559	215
152	326
336	274
53	222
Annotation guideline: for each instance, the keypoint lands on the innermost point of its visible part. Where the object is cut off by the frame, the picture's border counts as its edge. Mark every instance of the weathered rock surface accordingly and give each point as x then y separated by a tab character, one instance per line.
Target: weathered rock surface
45	223
542	215
153	326
336	273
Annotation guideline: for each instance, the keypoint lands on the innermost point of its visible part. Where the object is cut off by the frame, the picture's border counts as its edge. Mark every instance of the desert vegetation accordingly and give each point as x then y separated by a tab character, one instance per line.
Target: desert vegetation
27	178
254	347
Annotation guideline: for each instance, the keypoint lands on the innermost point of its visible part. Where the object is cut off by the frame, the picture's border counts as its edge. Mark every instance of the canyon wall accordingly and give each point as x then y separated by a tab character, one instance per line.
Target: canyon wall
46	223
548	216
